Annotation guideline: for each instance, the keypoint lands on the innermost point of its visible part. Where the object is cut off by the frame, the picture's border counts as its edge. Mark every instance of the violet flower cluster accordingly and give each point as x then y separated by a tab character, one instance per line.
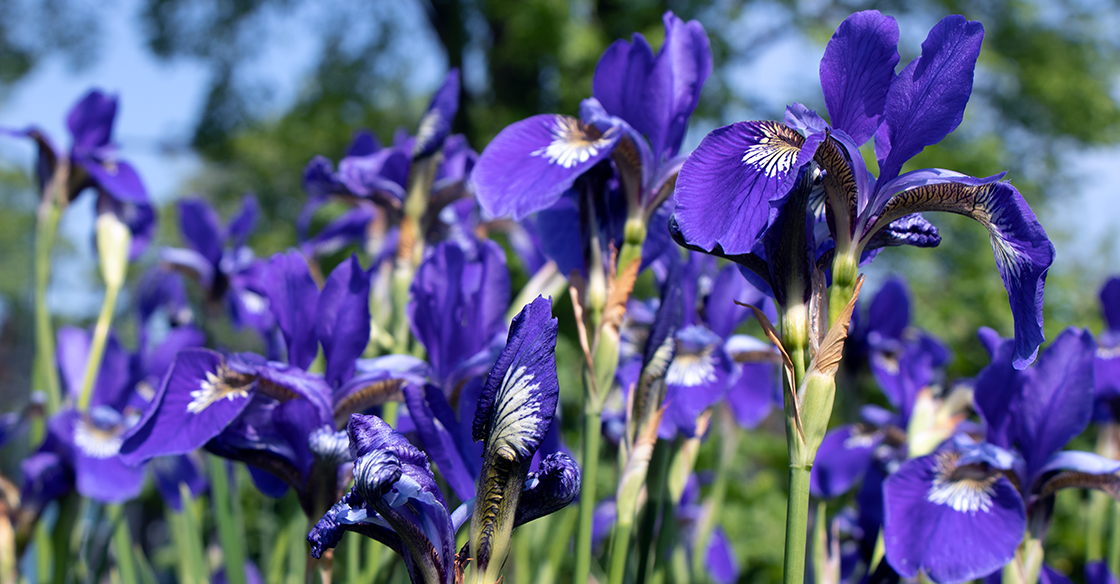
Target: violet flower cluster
394	386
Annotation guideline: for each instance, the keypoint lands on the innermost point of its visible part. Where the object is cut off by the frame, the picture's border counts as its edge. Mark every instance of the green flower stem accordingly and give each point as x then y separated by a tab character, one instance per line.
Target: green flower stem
63	537
1114	542
97	345
655	485
561	537
1098	511
229	530
620	549
590	463
728	445
353	554
845	272
122	545
45	372
797	518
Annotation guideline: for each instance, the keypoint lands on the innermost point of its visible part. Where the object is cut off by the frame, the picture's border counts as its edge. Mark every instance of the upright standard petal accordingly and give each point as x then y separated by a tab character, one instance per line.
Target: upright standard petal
342	319
293	297
1057	399
202	229
857	70
733	186
529	164
1022	250
927	99
91	121
656	94
515	411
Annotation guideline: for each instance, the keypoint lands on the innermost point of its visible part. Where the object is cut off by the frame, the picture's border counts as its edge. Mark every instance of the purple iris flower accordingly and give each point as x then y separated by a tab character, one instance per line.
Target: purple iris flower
961	512
93	162
395	498
376	180
218	257
276	417
709	362
636	118
752	168
82	449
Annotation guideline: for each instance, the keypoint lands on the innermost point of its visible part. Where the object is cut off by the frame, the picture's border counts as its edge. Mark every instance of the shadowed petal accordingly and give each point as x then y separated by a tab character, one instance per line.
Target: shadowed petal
842	460
553	486
857	70
1099	573
529	164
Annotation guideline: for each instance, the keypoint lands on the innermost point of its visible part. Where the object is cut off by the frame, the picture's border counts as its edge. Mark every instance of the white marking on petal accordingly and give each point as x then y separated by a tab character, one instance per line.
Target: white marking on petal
253	302
516	416
859	440
97	442
967	494
216	386
772	154
570	144
692	367
427	129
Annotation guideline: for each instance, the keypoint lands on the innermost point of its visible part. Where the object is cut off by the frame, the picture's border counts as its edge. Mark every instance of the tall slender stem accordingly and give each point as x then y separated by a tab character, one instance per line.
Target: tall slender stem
122	545
1114	542
590	463
46	375
620	550
797	519
229	532
97	346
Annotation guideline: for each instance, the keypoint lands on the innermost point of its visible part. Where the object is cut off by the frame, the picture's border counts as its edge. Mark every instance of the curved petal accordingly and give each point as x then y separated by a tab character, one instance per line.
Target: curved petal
242	223
553	486
857	70
1023	252
438	431
732	187
926	101
117	178
529	164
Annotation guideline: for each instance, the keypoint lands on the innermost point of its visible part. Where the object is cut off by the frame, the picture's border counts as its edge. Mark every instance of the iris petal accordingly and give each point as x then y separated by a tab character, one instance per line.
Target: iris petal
1023	252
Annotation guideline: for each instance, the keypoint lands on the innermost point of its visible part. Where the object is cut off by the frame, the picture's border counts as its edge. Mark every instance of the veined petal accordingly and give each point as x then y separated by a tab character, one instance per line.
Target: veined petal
371	433
955	523
911	230
458	302
436	123
927	99
1023	252
857	70
199	397
733	185
529	164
